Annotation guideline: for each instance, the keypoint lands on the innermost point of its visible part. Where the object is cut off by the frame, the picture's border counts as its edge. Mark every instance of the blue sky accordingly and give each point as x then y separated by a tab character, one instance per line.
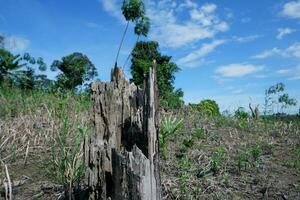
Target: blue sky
230	51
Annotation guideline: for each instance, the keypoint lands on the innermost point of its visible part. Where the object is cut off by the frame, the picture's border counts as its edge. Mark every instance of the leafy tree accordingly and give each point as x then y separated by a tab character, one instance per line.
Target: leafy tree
286	101
208	107
275	96
132	10
143	55
19	70
76	68
8	63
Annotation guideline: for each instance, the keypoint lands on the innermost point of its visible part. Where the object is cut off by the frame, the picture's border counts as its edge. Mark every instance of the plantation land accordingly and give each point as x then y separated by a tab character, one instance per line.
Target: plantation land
208	158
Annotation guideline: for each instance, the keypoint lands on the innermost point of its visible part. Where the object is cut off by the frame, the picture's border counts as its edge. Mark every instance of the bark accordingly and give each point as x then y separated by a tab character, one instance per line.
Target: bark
122	154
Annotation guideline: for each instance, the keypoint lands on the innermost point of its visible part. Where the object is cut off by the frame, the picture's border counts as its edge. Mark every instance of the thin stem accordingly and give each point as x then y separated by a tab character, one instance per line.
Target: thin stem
123	37
138	38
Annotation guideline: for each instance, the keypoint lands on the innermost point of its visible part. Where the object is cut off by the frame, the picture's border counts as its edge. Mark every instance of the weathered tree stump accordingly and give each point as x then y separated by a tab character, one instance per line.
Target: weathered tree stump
122	154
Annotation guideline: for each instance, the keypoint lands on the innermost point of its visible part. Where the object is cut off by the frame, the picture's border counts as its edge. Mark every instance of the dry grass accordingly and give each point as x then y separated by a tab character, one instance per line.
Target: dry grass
201	161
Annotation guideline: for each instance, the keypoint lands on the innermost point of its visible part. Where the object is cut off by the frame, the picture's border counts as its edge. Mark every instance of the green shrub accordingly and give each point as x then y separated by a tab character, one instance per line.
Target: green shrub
208	107
241	114
169	126
200	134
217	159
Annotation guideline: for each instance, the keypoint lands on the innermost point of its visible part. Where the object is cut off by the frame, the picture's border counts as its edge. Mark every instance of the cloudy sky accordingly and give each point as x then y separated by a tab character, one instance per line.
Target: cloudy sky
230	51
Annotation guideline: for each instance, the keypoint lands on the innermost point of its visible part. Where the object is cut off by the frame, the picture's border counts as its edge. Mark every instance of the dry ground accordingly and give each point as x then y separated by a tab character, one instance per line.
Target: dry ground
210	158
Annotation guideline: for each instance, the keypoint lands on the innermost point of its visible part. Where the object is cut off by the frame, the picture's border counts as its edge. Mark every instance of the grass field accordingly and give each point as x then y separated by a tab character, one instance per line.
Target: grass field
208	157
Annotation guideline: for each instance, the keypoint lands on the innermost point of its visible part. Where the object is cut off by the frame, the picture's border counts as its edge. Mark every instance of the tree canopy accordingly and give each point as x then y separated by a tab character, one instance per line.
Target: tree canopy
76	68
143	55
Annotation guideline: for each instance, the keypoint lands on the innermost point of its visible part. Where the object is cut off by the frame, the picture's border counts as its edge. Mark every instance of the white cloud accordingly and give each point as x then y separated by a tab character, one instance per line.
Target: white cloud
170	29
283	32
191	59
249	38
291	51
294	50
238	70
172	32
15	43
113	7
292	73
268	53
291	9
283	71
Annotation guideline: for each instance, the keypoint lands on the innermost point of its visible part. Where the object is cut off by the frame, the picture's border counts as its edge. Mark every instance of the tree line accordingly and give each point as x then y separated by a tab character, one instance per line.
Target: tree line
77	71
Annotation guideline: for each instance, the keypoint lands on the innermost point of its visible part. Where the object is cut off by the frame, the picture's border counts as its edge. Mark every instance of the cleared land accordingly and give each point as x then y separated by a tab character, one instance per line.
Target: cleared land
209	158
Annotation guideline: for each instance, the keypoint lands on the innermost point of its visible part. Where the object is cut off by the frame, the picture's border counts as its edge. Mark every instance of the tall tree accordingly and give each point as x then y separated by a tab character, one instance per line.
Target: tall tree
132	10
8	64
19	70
76	68
143	55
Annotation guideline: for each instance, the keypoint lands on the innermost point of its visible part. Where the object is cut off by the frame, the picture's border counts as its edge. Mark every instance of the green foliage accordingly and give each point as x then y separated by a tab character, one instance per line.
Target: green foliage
76	69
169	126
15	101
217	159
67	164
286	101
208	107
200	133
296	159
143	55
241	114
8	63
249	158
142	26
133	9
275	96
19	71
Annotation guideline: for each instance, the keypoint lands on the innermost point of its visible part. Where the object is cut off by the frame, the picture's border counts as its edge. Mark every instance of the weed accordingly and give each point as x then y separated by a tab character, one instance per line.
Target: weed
67	165
242	161
200	134
188	143
296	161
217	159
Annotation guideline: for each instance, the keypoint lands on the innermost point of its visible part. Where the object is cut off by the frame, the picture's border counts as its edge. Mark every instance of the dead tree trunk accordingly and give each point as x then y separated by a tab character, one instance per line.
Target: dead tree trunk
122	155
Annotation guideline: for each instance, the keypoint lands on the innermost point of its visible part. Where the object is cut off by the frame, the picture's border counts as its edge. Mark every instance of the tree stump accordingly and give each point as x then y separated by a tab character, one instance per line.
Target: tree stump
122	153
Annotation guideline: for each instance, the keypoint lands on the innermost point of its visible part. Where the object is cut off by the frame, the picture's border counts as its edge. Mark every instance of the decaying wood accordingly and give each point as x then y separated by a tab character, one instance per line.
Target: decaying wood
122	154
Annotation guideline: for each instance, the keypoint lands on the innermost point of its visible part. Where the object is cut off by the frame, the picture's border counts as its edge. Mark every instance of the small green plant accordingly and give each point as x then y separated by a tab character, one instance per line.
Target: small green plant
256	152
249	158
242	161
217	159
188	143
296	162
169	126
67	165
200	134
